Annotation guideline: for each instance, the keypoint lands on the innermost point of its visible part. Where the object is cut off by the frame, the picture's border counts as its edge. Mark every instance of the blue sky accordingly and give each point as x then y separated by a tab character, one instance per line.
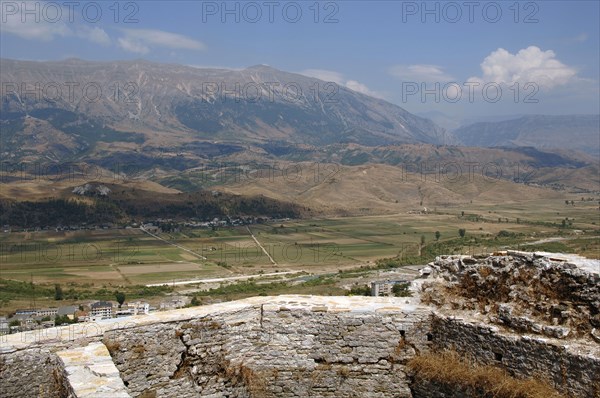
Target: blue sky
384	48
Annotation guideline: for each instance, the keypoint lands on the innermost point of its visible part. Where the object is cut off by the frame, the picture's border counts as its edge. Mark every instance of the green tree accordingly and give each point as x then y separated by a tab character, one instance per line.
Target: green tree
462	232
120	296
58	292
64	320
359	291
195	302
437	235
401	290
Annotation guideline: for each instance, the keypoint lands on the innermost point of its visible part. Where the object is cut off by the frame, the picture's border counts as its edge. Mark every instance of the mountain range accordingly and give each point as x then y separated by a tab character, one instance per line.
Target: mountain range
97	101
574	132
182	126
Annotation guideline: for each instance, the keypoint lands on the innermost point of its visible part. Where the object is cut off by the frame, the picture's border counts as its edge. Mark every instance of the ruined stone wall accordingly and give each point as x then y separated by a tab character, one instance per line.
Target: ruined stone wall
269	347
30	373
286	346
526	292
33	369
573	369
188	358
321	353
273	350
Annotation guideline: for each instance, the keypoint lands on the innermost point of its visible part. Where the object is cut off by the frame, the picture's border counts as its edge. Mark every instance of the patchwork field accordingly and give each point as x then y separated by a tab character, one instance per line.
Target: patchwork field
320	256
128	256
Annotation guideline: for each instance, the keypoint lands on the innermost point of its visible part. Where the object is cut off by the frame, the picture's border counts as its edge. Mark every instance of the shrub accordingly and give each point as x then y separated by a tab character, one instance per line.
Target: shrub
401	290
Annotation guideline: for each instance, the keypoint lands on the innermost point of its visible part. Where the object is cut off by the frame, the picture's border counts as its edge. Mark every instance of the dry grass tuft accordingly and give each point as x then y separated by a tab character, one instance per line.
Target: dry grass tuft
485	271
60	388
148	394
112	346
344	372
449	369
400	346
255	381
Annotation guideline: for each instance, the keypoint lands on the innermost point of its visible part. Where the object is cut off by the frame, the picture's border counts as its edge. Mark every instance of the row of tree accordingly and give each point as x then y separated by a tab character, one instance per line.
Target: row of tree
201	205
59	295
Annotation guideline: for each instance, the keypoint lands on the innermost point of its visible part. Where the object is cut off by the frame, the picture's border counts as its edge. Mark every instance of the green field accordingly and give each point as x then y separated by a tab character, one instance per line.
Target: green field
128	257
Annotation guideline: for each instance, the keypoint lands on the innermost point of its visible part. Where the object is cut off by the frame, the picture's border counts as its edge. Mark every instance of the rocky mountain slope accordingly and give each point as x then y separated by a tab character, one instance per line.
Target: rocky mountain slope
98	101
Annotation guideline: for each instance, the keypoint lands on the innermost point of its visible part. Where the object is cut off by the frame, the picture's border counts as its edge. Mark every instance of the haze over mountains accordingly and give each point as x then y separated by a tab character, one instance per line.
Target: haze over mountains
170	121
575	132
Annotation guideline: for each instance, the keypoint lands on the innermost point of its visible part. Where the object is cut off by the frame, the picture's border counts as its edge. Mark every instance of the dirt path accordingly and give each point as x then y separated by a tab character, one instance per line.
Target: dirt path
261	246
216	280
541	241
174	244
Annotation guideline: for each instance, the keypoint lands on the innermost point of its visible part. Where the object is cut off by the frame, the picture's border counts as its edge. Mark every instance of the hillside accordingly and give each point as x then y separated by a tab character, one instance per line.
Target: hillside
575	132
153	104
167	129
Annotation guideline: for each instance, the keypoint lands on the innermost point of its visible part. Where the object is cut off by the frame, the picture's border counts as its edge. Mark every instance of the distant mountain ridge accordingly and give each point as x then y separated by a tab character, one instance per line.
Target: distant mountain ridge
255	105
573	132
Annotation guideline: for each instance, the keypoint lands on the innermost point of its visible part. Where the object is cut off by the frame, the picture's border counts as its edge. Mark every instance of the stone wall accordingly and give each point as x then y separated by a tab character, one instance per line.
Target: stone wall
33	372
573	369
278	349
286	346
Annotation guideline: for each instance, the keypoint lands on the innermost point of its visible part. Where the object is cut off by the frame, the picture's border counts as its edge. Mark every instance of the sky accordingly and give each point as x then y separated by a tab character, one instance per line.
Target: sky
465	58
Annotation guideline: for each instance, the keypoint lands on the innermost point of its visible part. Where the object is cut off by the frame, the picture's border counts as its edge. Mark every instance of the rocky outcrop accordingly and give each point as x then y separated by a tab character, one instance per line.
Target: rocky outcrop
525	292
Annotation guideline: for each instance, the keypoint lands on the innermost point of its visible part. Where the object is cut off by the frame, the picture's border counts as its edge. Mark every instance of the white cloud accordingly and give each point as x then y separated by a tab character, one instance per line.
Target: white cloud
141	40
96	35
529	65
577	39
338	78
15	22
132	46
361	88
420	73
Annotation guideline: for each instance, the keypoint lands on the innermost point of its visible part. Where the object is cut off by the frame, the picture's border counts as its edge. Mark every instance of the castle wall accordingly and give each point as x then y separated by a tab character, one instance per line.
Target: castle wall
286	346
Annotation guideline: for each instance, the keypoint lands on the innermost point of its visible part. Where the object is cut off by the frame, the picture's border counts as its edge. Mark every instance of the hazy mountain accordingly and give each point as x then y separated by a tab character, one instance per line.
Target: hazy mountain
441	119
488	119
574	132
139	101
454	122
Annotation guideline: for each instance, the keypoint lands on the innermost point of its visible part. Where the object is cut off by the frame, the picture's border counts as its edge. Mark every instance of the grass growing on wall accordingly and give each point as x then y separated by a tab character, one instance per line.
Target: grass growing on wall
454	373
